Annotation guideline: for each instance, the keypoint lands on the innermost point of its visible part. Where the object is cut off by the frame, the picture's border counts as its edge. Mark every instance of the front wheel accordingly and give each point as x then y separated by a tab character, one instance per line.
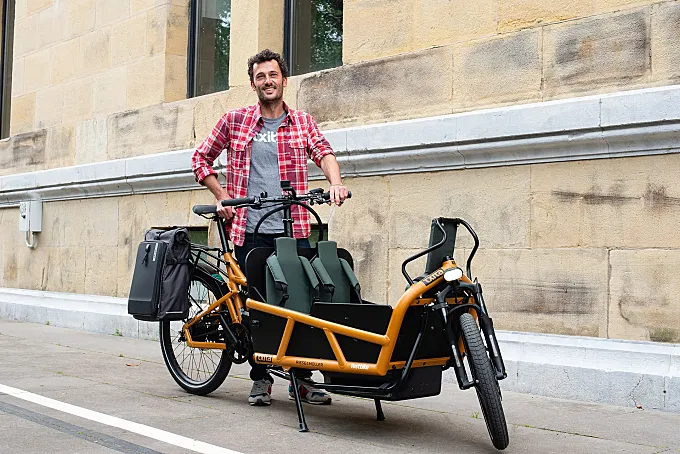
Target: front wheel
197	370
486	383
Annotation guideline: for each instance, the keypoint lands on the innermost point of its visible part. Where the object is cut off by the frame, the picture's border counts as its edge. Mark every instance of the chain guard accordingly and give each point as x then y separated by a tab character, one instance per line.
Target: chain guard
240	355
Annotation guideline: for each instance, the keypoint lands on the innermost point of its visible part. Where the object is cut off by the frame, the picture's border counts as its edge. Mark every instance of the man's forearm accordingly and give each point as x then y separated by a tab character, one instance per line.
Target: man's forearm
215	187
331	169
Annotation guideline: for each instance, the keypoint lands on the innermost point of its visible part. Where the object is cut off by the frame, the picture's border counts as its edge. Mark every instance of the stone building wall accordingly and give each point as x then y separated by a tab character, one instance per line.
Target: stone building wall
581	247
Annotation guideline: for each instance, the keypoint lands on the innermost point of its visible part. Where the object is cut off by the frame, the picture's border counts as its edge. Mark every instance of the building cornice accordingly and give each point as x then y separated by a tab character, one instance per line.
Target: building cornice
633	123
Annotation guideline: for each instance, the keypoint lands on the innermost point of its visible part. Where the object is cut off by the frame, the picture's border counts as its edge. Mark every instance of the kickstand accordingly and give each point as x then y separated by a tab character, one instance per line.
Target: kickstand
298	402
378	409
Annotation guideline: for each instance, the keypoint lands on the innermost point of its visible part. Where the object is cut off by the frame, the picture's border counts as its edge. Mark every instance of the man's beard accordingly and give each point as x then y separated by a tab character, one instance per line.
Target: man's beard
278	94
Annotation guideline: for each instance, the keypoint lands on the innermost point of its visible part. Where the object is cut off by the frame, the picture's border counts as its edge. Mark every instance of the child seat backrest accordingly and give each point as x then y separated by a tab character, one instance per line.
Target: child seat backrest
339	284
290	281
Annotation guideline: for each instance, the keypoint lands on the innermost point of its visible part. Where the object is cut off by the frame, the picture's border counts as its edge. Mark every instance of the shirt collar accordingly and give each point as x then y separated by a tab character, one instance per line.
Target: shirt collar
288	119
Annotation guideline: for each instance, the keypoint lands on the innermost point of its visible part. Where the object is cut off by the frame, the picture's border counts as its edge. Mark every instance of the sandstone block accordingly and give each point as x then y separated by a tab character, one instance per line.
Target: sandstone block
438	22
396	283
65	270
556	291
18	73
91	222
618	5
128	40
34	6
25	36
23	113
420	84
175	77
617	203
110	11
644	295
244	40
608	51
23	152
20	9
96	51
53	228
498	71
137	6
178	30
665	36
495	201
51	26
270	22
78	100
80	17
101	277
151	130
61	146
157	30
366	37
145	83
359	227
110	91
66	61
36	71
91	140
518	14
207	111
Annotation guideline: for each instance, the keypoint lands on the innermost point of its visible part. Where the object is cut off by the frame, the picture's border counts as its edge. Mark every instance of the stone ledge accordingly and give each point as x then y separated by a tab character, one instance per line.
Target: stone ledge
625	373
615	372
635	123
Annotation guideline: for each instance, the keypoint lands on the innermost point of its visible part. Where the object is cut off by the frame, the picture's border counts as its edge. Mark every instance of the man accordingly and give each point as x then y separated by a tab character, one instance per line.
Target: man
264	144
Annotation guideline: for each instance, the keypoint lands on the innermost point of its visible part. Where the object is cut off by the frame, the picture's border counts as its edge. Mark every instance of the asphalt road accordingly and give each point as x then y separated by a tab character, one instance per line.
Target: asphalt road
66	391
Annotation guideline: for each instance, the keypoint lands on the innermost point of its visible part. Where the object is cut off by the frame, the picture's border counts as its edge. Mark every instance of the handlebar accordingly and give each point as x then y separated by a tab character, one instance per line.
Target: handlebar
313	196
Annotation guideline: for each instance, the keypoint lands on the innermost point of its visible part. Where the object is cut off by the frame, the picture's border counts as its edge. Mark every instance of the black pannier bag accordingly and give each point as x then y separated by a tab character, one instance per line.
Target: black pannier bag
160	283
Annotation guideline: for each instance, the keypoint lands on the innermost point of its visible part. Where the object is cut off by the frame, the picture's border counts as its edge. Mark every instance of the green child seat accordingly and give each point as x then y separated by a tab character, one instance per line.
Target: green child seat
290	281
339	284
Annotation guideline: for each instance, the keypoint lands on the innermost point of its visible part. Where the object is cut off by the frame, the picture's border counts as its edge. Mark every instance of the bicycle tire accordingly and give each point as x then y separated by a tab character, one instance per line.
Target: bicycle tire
486	383
207	357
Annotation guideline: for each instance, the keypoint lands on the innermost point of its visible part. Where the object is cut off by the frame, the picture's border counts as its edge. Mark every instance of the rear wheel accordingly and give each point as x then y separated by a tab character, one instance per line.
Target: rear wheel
486	383
197	370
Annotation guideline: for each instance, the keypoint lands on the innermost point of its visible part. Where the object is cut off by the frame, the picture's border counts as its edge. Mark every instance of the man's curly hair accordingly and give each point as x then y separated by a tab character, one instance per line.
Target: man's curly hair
267	55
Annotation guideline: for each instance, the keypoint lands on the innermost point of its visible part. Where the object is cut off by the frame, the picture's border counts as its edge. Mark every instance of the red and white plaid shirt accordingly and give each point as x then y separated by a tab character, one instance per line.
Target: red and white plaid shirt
298	138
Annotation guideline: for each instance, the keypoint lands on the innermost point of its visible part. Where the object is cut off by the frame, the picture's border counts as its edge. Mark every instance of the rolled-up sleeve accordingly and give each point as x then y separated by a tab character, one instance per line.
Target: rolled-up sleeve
318	145
208	150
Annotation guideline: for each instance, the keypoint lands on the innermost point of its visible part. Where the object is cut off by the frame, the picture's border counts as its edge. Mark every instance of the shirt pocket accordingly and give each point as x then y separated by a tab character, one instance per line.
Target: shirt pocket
298	152
237	154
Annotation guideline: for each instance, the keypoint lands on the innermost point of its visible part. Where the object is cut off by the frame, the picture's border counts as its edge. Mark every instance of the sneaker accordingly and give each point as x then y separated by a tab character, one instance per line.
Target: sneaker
260	393
310	394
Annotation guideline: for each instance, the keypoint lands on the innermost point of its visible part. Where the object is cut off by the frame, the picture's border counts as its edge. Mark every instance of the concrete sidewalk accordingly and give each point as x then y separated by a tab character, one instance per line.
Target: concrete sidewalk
127	378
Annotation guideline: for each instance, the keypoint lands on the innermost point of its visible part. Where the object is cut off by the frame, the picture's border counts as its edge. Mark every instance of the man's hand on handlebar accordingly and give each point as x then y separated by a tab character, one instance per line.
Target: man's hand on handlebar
225	212
338	193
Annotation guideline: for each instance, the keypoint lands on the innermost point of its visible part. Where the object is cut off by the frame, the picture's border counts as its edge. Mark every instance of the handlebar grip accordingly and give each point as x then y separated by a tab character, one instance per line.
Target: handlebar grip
234	202
204	209
327	195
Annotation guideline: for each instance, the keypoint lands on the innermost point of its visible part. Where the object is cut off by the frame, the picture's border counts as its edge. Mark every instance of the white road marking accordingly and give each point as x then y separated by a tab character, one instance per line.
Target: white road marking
141	429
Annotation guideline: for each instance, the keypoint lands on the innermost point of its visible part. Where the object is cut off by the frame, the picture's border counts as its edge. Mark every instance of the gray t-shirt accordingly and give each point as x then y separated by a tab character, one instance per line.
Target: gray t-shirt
265	176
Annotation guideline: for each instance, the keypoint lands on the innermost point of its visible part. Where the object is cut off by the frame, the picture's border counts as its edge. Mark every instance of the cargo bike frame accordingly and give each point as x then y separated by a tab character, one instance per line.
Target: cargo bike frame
362	349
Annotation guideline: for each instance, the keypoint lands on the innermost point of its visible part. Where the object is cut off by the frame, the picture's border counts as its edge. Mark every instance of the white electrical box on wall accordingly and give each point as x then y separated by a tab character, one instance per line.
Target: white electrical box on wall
30	216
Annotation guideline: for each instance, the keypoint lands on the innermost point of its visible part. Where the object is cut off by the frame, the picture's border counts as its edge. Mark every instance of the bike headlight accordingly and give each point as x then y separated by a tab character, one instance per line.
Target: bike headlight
453	274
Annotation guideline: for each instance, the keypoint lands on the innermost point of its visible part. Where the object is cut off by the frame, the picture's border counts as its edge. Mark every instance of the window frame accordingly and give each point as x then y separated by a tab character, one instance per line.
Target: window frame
195	8
289	48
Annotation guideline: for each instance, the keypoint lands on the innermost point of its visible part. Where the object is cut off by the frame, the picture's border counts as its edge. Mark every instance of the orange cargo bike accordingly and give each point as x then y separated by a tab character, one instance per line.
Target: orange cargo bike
302	309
